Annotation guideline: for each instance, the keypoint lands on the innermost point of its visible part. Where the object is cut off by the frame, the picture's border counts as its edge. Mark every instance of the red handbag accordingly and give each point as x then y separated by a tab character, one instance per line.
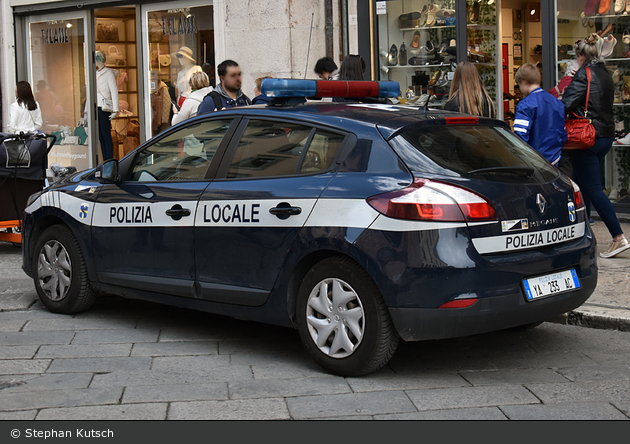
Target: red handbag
580	130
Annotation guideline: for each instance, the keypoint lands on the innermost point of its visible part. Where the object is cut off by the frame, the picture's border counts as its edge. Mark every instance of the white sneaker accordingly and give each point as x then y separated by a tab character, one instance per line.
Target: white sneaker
615	248
624	140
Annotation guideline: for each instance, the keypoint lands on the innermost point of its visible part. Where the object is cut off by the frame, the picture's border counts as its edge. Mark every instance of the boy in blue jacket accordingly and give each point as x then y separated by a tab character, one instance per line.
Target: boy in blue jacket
539	119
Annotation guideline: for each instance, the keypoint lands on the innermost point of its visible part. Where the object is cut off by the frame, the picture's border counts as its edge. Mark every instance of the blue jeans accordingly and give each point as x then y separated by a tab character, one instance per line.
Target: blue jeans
105	135
586	173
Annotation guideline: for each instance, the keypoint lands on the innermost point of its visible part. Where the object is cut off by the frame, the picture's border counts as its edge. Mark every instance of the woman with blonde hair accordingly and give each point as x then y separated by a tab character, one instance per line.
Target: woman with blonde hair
587	162
200	86
468	94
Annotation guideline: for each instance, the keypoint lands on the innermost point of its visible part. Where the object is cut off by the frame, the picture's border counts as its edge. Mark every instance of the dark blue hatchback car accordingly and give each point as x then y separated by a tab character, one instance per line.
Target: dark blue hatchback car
359	224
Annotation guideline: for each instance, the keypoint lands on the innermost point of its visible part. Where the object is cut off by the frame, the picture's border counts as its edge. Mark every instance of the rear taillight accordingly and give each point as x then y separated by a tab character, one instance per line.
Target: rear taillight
459	303
435	201
577	196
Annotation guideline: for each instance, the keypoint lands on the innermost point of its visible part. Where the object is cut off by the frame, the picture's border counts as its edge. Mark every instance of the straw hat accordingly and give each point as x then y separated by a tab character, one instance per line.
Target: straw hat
185	52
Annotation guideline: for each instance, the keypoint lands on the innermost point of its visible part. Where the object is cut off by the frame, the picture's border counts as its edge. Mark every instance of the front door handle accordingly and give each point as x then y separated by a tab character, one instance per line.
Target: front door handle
284	210
177	212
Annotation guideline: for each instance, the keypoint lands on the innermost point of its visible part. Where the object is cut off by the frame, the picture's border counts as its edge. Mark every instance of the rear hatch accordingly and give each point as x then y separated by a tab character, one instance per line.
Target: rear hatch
534	205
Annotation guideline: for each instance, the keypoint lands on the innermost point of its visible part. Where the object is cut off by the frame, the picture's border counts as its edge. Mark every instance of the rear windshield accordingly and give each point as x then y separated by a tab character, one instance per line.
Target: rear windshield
474	151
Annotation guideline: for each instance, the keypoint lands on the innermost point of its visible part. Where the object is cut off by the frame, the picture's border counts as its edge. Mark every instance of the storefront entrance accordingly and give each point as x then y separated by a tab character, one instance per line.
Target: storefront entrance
57	54
178	41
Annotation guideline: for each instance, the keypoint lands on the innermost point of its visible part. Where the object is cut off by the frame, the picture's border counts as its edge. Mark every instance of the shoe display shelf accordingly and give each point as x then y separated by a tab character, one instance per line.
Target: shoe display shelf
420	28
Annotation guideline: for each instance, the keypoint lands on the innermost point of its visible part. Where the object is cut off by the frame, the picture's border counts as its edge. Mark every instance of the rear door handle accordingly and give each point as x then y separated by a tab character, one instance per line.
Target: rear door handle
177	212
284	210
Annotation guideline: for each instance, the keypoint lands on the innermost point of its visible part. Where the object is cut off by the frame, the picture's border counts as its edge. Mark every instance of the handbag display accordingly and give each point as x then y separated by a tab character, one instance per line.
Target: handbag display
580	130
165	59
115	57
107	32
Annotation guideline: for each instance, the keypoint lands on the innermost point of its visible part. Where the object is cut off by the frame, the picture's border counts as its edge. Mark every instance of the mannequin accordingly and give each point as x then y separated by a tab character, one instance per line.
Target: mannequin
189	66
107	103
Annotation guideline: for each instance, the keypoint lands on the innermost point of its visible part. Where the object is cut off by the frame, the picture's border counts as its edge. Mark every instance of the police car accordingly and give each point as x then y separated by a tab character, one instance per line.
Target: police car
359	224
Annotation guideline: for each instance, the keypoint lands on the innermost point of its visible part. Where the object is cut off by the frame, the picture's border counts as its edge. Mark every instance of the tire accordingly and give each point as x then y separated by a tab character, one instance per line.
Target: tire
60	273
343	344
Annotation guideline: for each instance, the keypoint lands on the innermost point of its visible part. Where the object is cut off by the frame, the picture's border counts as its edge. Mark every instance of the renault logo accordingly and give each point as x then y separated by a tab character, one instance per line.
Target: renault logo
541	202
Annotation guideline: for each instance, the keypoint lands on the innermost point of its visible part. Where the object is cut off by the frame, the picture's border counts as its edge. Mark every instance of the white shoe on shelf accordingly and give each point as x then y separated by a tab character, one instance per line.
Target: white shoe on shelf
624	140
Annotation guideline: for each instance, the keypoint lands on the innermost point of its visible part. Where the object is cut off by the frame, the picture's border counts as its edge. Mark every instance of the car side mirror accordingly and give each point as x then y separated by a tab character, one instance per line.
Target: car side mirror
107	172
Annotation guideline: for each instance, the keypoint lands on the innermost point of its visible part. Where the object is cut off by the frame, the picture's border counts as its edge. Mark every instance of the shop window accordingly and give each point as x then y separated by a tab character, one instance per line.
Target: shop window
482	49
417	44
181	42
611	20
58	80
115	35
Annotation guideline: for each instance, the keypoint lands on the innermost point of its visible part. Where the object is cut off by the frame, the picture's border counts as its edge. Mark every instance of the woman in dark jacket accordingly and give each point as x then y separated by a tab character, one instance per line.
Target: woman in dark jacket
586	163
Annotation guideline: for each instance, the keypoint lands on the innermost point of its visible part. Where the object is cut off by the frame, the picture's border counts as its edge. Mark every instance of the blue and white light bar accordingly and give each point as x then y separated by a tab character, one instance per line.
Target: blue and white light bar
277	88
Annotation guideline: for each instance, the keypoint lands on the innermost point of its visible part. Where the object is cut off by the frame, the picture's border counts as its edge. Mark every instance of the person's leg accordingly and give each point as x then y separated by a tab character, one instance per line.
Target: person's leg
586	170
105	135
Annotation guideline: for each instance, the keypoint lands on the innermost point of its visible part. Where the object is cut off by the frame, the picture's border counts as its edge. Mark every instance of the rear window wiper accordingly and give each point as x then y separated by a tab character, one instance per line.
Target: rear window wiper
518	170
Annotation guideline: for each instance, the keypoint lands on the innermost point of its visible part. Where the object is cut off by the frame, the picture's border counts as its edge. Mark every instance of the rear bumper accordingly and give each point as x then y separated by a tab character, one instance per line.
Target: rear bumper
487	314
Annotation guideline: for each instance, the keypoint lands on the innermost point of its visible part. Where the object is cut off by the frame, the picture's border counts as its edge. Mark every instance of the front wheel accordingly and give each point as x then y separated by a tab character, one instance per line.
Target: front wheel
60	273
342	319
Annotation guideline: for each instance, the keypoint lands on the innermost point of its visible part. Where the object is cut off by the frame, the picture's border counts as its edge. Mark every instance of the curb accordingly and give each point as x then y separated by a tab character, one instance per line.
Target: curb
600	318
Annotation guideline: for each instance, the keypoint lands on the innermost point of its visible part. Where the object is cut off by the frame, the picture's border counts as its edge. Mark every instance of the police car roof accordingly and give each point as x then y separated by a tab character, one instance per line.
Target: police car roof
389	117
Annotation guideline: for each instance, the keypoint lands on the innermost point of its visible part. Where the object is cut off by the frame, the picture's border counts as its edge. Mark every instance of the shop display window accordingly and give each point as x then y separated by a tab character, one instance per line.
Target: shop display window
115	35
611	20
481	42
180	42
417	45
58	79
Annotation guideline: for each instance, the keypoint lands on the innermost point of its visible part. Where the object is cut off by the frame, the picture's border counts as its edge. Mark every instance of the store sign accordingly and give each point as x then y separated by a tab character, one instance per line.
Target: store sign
381	8
179	26
55	35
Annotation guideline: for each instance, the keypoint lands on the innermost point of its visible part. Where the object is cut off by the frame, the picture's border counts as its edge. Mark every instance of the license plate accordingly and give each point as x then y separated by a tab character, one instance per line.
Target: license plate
551	284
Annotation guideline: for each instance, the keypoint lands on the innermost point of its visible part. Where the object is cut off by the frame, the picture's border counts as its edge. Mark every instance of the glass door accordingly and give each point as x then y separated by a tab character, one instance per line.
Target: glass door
178	41
56	60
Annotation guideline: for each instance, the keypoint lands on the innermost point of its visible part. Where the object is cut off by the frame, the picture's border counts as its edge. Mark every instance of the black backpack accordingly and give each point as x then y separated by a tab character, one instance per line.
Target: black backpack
218	102
216	97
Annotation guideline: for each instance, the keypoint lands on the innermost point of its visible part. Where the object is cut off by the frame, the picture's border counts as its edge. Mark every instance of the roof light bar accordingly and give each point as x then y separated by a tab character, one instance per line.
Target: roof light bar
328	88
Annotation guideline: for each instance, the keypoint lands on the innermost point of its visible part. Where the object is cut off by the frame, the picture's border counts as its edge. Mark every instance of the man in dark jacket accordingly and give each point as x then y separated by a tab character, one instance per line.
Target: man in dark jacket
228	93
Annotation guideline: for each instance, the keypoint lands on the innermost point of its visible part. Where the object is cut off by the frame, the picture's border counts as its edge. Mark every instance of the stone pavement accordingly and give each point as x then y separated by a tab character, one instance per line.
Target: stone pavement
126	359
609	306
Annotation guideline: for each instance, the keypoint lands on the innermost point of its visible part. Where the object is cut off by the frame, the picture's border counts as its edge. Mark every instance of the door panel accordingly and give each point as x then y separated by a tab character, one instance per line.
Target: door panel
249	220
144	227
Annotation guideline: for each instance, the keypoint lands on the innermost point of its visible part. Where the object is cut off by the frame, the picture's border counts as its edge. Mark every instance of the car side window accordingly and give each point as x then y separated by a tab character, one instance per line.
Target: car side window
182	156
271	149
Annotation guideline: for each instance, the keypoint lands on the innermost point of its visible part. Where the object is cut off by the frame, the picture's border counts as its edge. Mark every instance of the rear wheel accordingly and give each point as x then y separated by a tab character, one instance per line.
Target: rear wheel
60	274
342	319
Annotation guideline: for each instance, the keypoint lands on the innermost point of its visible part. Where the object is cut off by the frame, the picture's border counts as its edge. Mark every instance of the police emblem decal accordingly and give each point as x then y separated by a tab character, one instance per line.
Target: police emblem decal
572	216
84	211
